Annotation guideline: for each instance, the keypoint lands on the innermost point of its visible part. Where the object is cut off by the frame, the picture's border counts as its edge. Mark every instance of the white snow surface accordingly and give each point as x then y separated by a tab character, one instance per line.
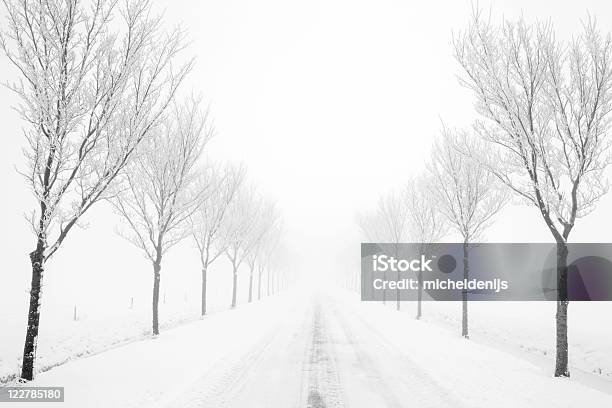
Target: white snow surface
314	349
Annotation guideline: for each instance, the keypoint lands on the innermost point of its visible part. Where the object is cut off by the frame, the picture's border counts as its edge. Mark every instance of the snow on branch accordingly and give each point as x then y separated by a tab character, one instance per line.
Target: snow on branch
546	107
96	78
160	191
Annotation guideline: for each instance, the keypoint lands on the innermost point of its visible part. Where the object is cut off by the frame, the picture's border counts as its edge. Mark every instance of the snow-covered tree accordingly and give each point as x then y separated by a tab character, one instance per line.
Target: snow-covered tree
238	227
259	236
207	221
466	194
268	250
546	106
95	77
389	224
276	262
161	190
426	224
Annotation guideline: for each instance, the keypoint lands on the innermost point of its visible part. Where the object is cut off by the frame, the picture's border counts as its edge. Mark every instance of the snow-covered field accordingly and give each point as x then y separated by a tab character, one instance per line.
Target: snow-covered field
318	350
117	311
530	327
62	338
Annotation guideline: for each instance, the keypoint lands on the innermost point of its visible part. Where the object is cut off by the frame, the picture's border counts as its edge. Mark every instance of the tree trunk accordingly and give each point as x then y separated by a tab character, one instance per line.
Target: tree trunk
29	349
234	287
156	279
204	269
561	366
251	285
397	292
464	293
384	289
398	277
419	294
276	279
259	284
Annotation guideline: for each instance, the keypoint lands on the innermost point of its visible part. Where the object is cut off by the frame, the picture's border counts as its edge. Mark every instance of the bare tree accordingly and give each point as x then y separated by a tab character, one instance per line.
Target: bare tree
237	230
389	224
372	228
393	213
466	193
546	106
94	81
206	222
258	236
268	250
160	191
425	222
276	267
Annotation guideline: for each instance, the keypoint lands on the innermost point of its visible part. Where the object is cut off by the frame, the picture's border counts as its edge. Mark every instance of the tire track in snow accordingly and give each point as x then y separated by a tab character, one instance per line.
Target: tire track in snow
365	364
217	392
322	387
401	381
219	385
325	355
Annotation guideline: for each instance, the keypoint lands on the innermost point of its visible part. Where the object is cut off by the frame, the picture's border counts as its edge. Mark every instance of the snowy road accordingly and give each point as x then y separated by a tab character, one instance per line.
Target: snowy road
323	357
313	350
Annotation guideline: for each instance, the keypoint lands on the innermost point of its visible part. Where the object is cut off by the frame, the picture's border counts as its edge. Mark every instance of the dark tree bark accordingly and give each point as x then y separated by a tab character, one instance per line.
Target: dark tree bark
464	293
561	365
156	281
37	259
204	271
562	346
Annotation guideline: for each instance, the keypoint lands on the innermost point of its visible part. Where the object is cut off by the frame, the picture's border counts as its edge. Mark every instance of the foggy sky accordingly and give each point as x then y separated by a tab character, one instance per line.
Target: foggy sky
328	103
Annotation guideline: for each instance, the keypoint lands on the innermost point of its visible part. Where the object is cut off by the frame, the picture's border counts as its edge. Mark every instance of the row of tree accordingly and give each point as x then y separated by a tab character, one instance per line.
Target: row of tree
542	137
454	194
98	95
165	195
